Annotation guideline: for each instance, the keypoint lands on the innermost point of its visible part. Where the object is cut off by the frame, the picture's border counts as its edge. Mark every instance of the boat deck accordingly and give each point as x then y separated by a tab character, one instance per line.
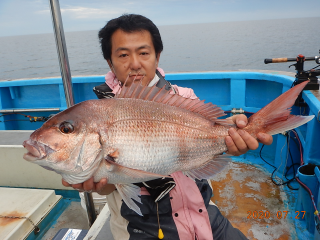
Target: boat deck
247	197
73	217
244	194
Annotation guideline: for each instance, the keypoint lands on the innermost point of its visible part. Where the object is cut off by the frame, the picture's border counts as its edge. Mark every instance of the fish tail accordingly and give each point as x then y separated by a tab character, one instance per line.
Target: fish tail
275	117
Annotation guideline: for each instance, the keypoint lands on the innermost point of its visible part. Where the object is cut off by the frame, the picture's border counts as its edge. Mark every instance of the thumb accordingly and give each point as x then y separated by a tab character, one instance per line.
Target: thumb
241	121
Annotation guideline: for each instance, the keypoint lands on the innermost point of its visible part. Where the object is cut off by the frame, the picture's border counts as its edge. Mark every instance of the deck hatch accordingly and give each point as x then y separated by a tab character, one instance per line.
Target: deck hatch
31	203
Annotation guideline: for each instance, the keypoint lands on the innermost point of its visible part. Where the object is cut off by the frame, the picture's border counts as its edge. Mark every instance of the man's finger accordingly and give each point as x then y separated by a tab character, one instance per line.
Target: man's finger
77	186
89	185
64	183
251	142
232	148
103	188
101	184
237	140
265	138
241	120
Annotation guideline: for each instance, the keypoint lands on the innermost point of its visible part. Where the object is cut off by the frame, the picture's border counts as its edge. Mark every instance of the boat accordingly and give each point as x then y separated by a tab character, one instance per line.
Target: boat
264	193
25	104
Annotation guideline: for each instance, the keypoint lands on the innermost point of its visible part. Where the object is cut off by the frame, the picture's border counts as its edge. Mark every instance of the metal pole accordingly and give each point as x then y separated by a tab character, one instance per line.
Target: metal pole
91	212
62	51
67	83
30	110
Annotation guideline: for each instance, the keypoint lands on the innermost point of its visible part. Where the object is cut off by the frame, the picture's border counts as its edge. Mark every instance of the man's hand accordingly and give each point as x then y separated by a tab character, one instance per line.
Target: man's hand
239	142
102	187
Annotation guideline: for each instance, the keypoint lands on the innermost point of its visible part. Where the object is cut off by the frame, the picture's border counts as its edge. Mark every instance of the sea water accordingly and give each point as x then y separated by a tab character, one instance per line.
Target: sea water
220	46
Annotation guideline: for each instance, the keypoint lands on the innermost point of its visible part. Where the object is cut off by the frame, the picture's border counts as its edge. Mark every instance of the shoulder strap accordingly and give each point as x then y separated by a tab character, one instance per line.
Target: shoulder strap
163	82
103	91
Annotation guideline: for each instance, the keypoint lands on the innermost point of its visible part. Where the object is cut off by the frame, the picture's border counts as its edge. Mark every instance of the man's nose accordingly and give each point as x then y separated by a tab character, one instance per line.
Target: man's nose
135	63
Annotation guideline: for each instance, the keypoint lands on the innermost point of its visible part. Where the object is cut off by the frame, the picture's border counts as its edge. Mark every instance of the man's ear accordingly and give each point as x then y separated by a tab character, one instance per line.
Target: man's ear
157	59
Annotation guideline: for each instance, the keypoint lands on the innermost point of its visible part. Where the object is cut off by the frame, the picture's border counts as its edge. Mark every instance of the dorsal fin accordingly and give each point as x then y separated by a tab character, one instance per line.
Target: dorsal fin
160	95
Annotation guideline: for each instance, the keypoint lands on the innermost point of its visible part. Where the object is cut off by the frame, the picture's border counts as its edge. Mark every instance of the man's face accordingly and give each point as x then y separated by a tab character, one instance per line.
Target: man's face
133	55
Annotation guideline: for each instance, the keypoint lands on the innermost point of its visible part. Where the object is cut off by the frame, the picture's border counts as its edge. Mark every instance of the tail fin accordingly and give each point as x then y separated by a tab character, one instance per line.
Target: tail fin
275	117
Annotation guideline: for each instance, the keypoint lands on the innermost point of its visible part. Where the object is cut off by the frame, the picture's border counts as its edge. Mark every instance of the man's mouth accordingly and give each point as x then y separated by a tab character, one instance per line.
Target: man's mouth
136	76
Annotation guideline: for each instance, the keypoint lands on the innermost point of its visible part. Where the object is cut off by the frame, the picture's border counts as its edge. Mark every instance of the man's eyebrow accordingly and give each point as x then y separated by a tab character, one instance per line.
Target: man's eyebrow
144	46
121	49
127	49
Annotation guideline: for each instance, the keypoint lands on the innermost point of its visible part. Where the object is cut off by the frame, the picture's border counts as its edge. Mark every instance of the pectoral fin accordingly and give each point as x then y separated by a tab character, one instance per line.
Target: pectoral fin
208	169
130	192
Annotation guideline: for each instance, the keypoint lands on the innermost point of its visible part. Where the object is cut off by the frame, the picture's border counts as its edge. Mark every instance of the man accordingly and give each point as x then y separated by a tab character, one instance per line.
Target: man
132	45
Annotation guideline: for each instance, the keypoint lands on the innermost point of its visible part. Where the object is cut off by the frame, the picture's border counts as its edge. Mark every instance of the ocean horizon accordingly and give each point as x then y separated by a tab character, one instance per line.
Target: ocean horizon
218	46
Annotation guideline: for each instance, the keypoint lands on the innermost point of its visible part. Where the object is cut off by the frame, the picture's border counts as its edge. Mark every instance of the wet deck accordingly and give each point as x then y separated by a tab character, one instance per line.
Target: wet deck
73	217
246	195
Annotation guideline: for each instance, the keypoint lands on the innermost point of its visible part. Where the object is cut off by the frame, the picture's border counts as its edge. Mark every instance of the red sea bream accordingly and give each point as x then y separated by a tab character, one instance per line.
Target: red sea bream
146	133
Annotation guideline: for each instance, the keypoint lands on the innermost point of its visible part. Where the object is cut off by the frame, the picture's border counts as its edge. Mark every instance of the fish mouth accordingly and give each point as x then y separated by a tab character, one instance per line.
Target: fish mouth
36	150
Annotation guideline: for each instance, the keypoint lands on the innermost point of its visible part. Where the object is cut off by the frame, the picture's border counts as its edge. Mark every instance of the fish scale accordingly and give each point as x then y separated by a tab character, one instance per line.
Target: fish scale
165	131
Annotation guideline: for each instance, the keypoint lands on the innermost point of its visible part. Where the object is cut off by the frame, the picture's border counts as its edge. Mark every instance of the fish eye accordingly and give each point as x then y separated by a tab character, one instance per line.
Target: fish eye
66	127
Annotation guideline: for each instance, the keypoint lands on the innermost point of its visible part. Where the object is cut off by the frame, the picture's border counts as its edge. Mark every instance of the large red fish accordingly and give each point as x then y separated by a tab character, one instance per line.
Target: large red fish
146	133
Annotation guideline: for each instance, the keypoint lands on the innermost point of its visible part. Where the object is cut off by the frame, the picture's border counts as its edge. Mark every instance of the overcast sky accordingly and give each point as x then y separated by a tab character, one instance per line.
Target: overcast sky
22	17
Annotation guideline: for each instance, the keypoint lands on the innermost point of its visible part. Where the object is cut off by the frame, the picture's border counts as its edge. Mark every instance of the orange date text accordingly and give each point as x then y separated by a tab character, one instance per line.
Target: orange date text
273	215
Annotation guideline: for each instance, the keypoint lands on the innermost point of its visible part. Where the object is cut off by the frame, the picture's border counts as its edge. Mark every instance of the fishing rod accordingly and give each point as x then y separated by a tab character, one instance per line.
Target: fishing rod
301	74
30	118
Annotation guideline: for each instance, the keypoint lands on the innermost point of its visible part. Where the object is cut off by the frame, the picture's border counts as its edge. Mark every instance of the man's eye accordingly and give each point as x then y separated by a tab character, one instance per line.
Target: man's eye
123	55
144	53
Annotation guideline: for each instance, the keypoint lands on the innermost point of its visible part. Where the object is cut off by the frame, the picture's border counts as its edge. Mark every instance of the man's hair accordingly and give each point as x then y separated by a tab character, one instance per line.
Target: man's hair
128	23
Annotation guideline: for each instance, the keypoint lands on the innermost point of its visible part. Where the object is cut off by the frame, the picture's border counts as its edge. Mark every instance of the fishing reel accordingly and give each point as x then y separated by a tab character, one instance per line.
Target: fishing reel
301	75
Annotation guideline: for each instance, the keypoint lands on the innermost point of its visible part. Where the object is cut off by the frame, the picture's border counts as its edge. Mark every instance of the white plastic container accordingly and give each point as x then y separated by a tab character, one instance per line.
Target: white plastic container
98	200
